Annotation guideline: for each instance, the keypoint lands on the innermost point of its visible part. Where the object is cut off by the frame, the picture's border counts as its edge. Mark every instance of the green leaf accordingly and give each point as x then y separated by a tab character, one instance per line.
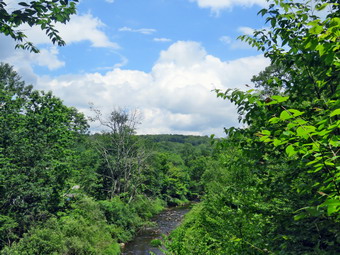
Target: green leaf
285	115
235	239
333	205
280	99
273	22
299	121
320	7
321	49
316	29
300	216
295	112
290	150
277	142
24	4
265	132
334	143
274	120
335	112
304	131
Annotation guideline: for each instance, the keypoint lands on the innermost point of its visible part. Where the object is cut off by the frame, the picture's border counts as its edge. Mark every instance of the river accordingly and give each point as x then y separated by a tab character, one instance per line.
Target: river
166	221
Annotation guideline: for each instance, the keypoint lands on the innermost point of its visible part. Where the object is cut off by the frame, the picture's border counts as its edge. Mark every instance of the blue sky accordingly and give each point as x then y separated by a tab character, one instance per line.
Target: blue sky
161	57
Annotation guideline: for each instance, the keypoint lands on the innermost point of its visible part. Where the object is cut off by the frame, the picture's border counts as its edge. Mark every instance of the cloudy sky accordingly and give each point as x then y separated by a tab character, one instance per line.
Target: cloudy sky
161	57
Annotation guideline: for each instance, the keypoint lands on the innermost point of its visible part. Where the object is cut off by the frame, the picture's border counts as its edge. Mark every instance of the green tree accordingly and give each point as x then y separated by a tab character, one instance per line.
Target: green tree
302	121
276	189
36	145
42	13
305	120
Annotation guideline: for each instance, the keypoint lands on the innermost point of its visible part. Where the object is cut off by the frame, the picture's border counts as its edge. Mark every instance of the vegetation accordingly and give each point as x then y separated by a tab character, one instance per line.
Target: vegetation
64	191
275	188
272	187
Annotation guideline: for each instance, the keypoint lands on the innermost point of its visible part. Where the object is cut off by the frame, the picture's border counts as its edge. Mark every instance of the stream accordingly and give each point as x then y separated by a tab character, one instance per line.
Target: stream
166	221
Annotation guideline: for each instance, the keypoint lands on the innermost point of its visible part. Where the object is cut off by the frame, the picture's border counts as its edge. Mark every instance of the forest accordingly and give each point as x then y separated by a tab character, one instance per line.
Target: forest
269	187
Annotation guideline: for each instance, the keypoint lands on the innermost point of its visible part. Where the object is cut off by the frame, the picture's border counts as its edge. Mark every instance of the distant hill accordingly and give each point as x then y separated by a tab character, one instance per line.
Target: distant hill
179	144
191	139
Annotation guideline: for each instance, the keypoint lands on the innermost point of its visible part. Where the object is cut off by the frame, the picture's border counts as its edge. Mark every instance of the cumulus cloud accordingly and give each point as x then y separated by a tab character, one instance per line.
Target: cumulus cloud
217	5
90	27
146	31
174	97
48	58
23	61
162	39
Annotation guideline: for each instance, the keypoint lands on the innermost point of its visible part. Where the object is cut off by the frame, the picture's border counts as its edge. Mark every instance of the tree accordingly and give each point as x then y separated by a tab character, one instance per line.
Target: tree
43	13
309	111
276	74
37	136
276	187
122	155
303	120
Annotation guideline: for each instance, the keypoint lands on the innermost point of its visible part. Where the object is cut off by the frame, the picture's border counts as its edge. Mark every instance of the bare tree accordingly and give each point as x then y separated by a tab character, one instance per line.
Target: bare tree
122	154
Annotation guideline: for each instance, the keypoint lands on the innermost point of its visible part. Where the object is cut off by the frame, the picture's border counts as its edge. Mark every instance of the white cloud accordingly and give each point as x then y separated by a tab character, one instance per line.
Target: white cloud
146	31
217	5
162	39
246	30
174	97
90	28
225	39
80	28
48	58
23	61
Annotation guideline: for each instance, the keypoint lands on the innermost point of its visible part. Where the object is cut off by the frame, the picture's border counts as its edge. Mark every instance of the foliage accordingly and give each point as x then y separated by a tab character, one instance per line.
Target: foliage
276	188
125	219
304	121
228	213
156	243
87	161
64	191
36	159
82	231
175	167
88	227
42	13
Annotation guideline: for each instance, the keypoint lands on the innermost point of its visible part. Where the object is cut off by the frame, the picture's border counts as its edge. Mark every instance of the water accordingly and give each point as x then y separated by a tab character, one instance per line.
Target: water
166	221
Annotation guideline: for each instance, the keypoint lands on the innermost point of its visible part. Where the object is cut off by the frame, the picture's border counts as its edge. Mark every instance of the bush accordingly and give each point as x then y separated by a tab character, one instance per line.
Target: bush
156	243
125	219
83	230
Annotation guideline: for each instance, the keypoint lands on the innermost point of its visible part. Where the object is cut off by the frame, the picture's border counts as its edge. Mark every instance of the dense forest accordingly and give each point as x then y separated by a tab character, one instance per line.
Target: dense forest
270	187
65	191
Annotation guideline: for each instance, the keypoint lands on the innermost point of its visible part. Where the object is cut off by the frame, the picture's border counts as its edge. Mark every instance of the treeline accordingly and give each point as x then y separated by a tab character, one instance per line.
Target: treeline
65	191
276	185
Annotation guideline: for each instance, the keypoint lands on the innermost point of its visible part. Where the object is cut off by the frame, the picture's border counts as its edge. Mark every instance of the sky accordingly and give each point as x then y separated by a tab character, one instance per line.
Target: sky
162	58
